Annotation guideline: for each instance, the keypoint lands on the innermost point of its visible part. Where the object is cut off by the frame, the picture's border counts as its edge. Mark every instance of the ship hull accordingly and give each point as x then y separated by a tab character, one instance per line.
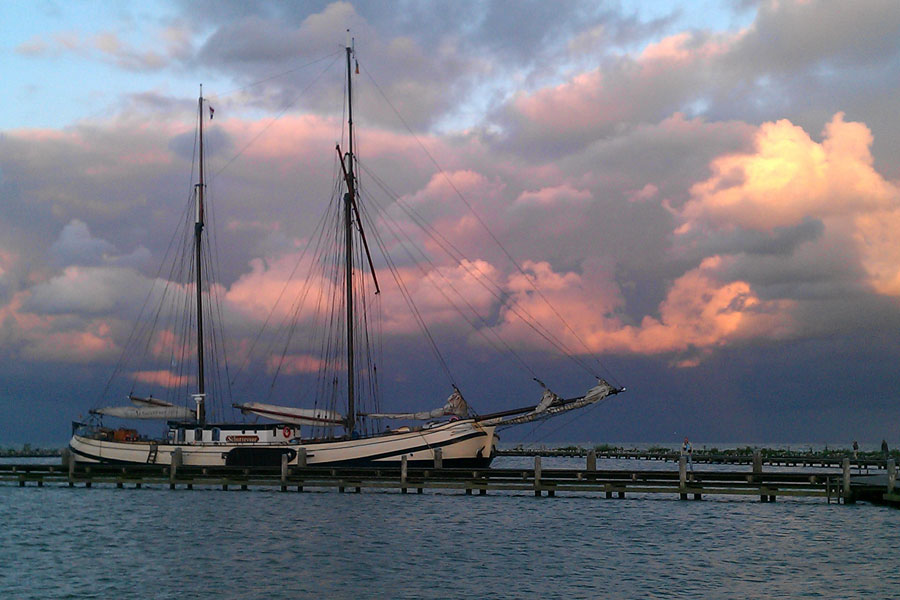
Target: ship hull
463	443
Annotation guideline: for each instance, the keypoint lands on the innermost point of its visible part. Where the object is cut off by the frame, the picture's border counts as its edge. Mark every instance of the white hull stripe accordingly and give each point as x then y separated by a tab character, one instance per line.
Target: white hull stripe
362	458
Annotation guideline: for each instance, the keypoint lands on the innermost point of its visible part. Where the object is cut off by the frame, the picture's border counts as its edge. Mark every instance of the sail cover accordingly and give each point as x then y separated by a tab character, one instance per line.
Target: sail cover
455	406
295	416
146	412
552	405
150	401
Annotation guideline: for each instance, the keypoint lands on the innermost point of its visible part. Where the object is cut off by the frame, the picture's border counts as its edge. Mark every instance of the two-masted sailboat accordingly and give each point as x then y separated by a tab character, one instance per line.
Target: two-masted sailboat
463	438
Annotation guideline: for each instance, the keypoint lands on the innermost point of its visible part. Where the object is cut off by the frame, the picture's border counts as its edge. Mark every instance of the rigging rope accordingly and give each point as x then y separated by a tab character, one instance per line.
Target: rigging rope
484	226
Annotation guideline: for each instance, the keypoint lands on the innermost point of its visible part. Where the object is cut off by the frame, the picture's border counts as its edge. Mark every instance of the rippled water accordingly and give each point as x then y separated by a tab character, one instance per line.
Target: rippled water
103	542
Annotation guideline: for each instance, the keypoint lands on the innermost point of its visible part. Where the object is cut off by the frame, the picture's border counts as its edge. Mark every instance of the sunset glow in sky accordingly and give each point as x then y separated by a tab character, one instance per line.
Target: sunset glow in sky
708	195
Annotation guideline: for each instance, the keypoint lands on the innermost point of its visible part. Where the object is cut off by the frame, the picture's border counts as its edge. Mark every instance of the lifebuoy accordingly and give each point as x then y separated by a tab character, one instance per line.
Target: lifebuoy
287	431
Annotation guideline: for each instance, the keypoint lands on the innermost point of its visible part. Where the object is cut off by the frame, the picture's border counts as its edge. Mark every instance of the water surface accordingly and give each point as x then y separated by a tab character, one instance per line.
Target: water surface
60	542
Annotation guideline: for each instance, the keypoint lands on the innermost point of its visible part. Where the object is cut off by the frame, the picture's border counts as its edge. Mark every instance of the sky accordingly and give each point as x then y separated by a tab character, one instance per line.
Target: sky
706	193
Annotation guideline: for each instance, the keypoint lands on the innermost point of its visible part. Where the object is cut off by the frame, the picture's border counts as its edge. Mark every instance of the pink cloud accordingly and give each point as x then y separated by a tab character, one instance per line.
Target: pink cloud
681	50
789	177
165	343
876	236
40	339
636	87
163	378
53	338
553	196
647	192
294	364
702	311
436	291
278	283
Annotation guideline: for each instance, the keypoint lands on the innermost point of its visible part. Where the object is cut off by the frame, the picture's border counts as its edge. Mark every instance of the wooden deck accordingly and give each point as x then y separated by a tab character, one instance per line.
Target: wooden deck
682	483
700	457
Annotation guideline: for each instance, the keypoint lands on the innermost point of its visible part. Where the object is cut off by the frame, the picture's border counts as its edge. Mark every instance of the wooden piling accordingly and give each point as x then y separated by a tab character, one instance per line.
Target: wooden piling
403	474
537	475
757	473
301	457
438	458
592	460
892	475
70	458
757	463
682	477
177	461
848	492
284	472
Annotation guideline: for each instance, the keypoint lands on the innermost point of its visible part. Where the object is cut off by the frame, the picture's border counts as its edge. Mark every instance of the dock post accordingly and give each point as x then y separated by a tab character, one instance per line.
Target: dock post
537	475
173	471
438	458
757	474
592	460
757	463
301	457
892	475
284	471
682	477
403	473
70	457
848	493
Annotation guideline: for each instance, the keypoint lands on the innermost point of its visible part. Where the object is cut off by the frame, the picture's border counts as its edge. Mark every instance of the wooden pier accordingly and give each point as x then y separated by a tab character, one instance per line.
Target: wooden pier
682	483
711	458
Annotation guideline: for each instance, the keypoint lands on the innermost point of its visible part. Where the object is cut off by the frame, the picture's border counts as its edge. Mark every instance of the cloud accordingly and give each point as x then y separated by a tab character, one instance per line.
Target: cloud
789	178
163	378
703	312
72	346
294	364
76	246
107	46
25	335
821	195
556	196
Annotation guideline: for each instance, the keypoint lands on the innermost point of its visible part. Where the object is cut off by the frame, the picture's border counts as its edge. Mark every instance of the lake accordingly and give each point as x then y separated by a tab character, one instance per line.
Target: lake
60	542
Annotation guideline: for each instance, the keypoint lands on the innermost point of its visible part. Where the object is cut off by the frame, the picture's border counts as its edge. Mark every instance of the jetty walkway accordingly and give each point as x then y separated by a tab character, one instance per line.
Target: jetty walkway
809	460
681	483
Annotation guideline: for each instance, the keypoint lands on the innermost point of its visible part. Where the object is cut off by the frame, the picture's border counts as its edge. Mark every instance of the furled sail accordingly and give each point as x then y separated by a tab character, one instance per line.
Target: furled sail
455	406
146	412
552	405
289	414
150	401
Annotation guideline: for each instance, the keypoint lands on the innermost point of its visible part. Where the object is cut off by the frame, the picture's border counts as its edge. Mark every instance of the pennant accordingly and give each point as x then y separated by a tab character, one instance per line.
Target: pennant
211	112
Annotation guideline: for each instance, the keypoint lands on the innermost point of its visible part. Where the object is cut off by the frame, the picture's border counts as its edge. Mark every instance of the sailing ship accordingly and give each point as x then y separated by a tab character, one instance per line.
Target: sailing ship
452	431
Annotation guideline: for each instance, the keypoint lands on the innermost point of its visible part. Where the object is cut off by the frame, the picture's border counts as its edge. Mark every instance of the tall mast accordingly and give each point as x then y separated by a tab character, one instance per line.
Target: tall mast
198	238
349	198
